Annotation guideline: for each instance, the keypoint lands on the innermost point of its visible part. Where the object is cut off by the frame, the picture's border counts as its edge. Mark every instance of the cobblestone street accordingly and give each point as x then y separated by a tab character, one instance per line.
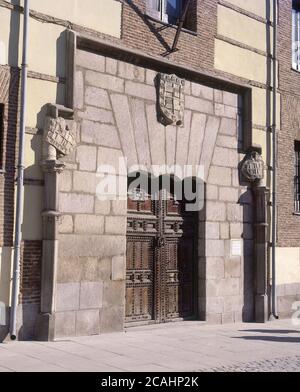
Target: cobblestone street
289	364
189	346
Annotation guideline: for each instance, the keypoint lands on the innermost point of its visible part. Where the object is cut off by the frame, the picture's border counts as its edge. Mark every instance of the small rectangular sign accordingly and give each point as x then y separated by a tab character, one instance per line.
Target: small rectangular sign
236	247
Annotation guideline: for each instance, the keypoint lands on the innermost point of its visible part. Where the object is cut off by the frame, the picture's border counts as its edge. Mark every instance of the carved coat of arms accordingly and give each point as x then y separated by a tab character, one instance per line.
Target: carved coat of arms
171	99
59	135
253	167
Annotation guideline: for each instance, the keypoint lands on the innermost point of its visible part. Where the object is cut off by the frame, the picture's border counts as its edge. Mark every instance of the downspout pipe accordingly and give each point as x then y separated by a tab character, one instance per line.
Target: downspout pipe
274	163
20	181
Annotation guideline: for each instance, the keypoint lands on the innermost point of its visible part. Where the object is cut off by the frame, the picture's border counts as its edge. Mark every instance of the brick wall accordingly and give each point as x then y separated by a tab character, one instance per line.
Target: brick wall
197	51
31	250
9	87
30	286
288	224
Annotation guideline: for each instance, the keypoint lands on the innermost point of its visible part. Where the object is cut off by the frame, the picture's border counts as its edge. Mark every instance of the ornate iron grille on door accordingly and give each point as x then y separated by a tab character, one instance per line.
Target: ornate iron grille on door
161	260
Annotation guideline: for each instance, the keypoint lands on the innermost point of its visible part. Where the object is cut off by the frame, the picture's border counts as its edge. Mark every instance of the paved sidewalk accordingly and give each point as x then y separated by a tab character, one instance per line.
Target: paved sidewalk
188	346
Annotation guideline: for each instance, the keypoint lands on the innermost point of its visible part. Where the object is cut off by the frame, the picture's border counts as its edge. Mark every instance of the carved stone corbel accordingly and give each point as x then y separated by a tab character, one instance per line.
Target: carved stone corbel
58	142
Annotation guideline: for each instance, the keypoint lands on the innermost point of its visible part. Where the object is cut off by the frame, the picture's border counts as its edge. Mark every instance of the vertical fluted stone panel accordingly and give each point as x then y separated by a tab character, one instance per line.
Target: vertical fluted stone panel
141	131
123	118
183	138
156	136
171	135
196	138
211	132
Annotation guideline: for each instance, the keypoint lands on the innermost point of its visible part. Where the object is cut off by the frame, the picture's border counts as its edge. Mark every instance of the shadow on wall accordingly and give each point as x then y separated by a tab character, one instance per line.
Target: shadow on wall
30	289
40	120
4	329
61	56
14	36
34	171
10	158
30	279
61	48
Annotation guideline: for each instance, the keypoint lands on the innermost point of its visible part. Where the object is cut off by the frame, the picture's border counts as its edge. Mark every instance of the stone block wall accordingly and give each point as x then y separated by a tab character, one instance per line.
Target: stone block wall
288	299
116	116
9	101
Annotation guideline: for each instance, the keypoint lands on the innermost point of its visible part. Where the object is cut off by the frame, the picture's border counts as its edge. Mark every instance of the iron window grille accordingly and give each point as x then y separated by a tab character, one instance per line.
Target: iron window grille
296	35
297	177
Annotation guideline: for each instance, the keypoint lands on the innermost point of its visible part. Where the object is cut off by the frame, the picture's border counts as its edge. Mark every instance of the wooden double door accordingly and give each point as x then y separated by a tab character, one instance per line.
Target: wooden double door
161	271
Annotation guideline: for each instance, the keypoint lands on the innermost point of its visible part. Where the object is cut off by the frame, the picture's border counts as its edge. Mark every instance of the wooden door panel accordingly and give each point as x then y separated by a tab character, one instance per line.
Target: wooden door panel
180	286
179	302
139	279
173	207
129	308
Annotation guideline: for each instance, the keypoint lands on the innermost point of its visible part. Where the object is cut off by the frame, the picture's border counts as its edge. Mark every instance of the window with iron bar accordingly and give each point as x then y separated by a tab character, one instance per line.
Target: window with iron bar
170	12
167	11
296	35
297	177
